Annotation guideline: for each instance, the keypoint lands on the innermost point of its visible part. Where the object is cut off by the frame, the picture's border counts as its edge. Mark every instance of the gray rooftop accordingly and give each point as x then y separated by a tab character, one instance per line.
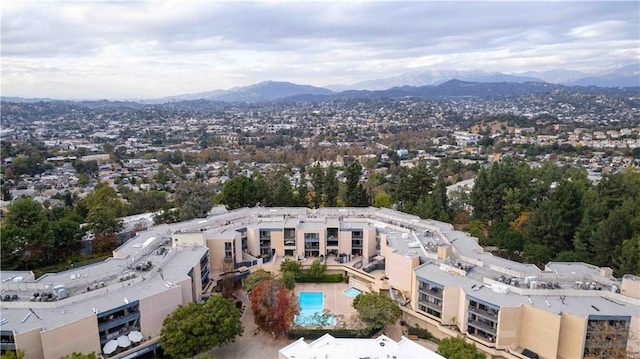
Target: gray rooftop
575	304
81	305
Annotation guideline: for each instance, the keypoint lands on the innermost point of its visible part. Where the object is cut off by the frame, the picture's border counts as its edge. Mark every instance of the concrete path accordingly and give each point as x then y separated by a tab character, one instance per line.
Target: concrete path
253	344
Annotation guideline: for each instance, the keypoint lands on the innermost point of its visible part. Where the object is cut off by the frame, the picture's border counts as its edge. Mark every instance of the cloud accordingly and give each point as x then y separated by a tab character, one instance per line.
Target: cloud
135	47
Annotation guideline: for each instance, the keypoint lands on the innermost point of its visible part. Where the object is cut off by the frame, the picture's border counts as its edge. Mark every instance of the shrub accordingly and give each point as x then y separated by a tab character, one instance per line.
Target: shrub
421	333
326	278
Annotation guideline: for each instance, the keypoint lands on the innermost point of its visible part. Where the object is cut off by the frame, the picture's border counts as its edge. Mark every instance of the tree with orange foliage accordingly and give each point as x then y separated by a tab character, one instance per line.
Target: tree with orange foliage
274	306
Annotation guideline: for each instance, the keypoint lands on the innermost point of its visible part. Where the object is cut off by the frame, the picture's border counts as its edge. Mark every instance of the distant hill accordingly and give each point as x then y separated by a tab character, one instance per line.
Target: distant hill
452	88
558	76
429	77
24	99
628	76
260	92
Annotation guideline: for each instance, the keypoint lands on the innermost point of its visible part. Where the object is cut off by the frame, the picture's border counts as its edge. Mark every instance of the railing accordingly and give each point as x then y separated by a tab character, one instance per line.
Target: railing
431	305
479	325
431	293
7	346
118	321
487	314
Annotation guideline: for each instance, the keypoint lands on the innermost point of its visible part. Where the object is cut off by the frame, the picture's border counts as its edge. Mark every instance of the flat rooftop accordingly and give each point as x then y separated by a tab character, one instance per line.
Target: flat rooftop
563	301
100	285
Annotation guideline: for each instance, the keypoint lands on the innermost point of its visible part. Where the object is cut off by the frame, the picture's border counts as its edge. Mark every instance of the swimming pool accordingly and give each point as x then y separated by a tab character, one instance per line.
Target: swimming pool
311	305
352	292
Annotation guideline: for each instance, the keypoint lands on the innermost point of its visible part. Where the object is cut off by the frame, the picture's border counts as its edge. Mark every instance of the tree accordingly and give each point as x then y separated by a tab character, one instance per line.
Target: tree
458	348
302	192
107	197
382	200
317	269
330	187
289	280
104	221
24	213
238	192
32	236
194	199
256	278
274	306
66	233
491	193
146	201
413	184
376	309
536	253
167	215
355	194
317	182
291	266
628	259
290	270
26	238
197	327
280	193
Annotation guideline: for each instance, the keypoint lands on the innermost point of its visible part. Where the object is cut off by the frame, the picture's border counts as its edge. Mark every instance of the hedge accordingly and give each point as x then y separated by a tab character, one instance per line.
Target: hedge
420	332
326	278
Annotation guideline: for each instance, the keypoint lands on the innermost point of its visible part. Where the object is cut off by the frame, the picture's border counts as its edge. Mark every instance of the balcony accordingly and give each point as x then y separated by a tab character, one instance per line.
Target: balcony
332	241
435	306
289	234
7	346
430	311
482	326
491	314
433	292
117	321
482	335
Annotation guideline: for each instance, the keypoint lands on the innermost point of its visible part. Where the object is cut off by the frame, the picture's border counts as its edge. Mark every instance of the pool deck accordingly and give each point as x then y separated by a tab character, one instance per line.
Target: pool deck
335	300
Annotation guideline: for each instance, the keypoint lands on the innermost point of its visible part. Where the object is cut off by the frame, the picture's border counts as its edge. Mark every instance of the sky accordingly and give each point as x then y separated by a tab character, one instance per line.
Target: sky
147	49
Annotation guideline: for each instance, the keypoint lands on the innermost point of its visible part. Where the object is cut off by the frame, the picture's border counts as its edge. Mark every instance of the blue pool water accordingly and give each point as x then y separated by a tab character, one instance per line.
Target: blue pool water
352	292
311	305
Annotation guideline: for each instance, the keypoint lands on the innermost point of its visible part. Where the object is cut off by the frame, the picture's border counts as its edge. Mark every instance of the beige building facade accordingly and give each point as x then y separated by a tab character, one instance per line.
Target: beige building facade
441	278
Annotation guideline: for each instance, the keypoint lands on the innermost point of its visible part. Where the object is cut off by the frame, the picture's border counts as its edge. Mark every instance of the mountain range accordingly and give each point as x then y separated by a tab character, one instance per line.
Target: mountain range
261	92
424	83
628	76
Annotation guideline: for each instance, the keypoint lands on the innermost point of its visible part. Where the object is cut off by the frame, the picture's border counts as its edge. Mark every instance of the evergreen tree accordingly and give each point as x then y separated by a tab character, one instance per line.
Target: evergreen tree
330	187
198	327
318	183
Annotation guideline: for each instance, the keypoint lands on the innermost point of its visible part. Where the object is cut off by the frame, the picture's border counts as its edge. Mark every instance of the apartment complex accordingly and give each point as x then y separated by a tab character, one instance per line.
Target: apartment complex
112	308
441	278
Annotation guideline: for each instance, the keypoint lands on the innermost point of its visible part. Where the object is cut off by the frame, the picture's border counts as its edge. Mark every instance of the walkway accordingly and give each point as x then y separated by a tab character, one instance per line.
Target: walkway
253	344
